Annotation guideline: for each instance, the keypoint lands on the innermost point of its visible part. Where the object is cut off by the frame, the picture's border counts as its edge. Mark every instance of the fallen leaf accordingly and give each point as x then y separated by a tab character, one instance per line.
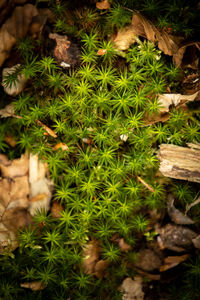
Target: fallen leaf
100	268
132	289
187	56
196	242
61	146
166	100
10	140
56	209
103	4
16	27
172	261
148	275
91	254
7	111
16	167
48	130
124	38
123	245
18	86
176	215
34	285
148	260
101	52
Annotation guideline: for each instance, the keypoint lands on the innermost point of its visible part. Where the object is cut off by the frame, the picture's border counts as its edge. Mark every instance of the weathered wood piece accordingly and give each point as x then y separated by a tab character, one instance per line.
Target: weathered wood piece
180	162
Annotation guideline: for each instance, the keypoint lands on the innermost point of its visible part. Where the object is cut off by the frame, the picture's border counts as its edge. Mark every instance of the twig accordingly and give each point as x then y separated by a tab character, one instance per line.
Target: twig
146	184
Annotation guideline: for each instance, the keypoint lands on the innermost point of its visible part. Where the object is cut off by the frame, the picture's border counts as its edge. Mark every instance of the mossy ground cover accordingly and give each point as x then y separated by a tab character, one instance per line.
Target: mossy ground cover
98	109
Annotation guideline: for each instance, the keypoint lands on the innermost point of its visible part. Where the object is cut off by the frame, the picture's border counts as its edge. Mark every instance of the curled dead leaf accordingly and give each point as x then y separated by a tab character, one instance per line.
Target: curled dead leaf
34	285
16	167
124	38
61	146
90	256
103	4
100	268
56	209
173	261
48	130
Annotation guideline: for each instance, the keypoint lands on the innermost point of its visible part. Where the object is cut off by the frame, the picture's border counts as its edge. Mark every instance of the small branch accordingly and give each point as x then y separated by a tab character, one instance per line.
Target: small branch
146	184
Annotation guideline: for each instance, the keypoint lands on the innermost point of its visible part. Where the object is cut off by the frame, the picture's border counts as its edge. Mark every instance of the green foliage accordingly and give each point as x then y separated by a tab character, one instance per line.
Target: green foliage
99	110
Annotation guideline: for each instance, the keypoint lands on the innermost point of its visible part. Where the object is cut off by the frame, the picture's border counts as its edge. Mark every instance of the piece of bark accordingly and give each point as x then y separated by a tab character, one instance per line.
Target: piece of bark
179	162
176	237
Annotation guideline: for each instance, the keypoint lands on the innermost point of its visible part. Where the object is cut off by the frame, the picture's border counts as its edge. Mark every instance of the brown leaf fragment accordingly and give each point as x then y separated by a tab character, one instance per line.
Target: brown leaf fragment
176	237
10	140
166	100
148	260
123	245
196	242
124	38
48	130
7	111
61	146
187	55
103	4
132	289
16	27
155	118
34	285
18	86
16	167
176	215
100	268
148	275
90	256
56	209
101	52
172	261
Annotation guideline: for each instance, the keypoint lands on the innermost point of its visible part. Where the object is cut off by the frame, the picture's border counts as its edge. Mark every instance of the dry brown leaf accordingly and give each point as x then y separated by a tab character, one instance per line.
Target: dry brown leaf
14	28
148	260
48	130
149	120
191	58
196	242
123	245
7	111
16	167
148	275
100	268
173	261
56	209
166	100
132	289
176	215
124	38
61	146
10	140
101	52
34	285
17	87
90	256
103	4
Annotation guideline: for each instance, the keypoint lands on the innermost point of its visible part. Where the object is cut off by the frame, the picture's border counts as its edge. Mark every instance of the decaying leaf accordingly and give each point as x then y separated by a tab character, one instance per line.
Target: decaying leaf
90	256
166	100
187	55
173	261
123	245
124	38
48	130
10	140
14	28
61	146
176	215
34	285
7	111
18	86
56	209
176	237
101	52
196	242
148	260
132	289
104	4
100	268
16	167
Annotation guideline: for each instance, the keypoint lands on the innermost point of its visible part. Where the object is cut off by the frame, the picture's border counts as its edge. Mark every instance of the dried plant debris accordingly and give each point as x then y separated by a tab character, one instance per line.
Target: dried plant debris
176	237
148	260
65	52
34	285
179	162
172	261
91	254
19	84
132	289
22	184
196	242
176	215
104	4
